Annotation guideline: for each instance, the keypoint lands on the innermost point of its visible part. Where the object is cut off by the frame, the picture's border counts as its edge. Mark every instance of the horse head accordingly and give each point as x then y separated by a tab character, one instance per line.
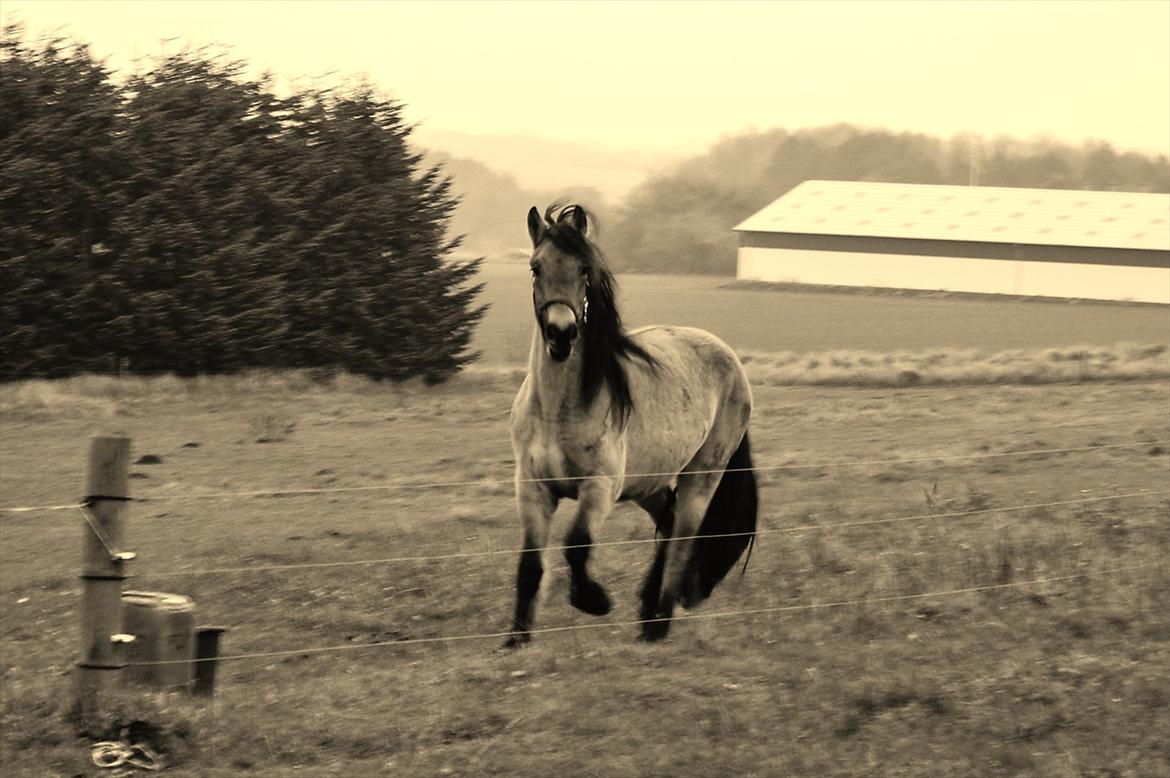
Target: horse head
564	266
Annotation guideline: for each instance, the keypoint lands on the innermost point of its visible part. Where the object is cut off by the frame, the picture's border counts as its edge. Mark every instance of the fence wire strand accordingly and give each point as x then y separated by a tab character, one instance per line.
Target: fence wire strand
639	541
625	476
94	527
43	508
448	639
616	624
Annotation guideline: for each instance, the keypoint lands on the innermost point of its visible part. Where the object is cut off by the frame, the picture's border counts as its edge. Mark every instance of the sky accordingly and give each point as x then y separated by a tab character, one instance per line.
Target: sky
678	76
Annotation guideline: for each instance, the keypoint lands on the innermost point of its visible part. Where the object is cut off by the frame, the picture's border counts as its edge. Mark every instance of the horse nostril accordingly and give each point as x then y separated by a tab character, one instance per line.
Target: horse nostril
560	335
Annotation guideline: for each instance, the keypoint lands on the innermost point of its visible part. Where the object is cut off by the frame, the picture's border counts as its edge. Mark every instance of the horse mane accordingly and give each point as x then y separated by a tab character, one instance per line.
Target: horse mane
606	341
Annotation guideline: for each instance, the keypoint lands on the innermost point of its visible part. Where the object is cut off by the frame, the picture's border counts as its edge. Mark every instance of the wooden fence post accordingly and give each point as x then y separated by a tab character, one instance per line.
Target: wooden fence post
107	487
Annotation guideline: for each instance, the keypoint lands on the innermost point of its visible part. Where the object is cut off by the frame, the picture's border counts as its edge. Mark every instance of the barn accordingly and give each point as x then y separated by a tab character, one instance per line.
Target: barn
992	240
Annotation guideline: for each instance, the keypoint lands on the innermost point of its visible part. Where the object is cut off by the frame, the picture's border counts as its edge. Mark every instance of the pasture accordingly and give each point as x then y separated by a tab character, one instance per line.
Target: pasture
992	604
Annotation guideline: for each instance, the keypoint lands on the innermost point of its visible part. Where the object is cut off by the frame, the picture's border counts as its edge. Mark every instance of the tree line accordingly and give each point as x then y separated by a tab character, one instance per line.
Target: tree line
186	218
681	221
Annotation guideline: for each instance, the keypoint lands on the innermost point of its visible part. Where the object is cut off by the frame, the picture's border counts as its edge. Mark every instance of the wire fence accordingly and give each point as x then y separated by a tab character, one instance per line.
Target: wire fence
639	622
642	541
727	614
481	482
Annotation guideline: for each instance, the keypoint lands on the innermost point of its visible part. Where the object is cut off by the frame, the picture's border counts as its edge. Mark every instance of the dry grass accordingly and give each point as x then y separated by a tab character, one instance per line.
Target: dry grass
959	366
110	396
1062	678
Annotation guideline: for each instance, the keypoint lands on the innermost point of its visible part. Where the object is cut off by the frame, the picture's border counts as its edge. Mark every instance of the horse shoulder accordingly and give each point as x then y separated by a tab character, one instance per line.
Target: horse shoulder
522	419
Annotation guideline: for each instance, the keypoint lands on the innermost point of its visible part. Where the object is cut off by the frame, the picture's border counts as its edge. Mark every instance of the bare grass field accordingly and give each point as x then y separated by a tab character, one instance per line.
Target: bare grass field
856	662
768	320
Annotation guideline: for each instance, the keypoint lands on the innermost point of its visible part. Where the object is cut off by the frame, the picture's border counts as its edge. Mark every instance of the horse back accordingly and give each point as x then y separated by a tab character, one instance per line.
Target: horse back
696	388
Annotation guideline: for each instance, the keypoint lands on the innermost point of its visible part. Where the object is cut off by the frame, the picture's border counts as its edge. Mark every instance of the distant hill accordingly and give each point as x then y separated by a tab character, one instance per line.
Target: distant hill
493	205
548	165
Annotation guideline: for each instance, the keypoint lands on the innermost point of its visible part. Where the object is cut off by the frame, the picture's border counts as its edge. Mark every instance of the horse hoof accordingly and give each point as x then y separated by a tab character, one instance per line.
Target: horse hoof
654	631
591	598
516	641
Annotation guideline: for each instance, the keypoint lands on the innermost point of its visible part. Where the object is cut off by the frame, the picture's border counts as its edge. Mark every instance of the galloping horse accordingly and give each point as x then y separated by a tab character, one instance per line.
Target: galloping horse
658	416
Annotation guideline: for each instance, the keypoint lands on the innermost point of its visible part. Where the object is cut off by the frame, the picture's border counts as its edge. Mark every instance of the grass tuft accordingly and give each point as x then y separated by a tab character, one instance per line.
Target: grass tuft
111	396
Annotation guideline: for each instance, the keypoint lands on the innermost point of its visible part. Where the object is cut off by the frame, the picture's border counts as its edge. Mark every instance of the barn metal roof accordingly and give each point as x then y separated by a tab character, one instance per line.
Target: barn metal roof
1057	217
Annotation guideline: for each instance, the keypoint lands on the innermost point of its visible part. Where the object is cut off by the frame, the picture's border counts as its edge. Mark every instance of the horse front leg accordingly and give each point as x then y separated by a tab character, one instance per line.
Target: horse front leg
536	505
594	503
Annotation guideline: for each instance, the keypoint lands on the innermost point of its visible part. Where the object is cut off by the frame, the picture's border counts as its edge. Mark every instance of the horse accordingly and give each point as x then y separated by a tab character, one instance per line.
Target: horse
657	416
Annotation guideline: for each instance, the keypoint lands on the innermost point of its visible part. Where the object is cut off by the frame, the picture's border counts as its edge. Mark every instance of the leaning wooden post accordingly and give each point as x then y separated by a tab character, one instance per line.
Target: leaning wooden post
103	561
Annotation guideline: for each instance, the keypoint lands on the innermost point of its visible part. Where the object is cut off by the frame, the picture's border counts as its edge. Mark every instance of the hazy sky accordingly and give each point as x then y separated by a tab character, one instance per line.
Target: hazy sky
678	75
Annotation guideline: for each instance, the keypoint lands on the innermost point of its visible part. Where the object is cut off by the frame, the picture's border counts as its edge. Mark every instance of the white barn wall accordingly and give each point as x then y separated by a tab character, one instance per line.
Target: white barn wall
1096	282
956	274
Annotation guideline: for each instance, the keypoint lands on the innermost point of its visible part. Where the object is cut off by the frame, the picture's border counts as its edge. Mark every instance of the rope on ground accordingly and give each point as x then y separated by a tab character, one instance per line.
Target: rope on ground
770	530
114	753
497	481
681	617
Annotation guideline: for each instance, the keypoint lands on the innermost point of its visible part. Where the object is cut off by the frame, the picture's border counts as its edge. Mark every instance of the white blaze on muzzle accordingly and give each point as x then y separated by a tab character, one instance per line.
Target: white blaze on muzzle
560	318
561	313
560	325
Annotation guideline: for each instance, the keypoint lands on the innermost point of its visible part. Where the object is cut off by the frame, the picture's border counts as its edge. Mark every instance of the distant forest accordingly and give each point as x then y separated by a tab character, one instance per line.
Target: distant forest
681	220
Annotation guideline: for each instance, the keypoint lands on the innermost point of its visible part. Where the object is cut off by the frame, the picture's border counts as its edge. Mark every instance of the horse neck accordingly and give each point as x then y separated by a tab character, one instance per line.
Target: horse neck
557	384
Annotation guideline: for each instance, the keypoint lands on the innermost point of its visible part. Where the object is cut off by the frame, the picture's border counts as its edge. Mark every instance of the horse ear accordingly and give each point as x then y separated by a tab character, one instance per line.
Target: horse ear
535	226
580	220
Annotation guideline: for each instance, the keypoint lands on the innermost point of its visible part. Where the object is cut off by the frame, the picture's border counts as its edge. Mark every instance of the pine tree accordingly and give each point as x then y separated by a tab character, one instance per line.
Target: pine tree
372	231
209	220
191	221
60	171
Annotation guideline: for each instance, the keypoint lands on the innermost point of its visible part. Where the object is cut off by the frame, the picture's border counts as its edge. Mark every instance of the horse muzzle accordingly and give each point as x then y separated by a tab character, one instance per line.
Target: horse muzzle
560	330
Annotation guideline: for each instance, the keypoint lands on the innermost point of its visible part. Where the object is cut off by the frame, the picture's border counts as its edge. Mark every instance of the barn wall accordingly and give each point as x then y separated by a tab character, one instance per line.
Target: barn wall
921	247
958	274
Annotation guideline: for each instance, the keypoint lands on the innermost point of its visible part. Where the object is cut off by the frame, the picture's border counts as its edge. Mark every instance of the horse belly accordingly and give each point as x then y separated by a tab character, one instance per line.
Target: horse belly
654	459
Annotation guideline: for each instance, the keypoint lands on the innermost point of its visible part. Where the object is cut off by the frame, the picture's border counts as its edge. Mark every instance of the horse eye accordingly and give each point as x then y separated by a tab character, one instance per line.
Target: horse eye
535	271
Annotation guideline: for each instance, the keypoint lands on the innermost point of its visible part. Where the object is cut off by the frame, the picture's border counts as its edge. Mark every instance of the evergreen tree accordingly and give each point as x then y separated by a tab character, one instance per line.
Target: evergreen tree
373	227
60	173
191	221
208	222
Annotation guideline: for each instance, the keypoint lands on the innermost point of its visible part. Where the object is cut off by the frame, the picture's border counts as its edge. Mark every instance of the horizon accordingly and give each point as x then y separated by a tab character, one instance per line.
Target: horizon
526	88
677	77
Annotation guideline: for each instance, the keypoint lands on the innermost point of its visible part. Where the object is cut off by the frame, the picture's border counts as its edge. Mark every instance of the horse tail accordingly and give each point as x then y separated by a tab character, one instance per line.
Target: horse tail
728	527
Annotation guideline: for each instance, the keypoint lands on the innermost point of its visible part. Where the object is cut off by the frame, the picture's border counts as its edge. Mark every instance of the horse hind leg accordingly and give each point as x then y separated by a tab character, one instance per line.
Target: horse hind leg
683	581
661	509
708	505
671	563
